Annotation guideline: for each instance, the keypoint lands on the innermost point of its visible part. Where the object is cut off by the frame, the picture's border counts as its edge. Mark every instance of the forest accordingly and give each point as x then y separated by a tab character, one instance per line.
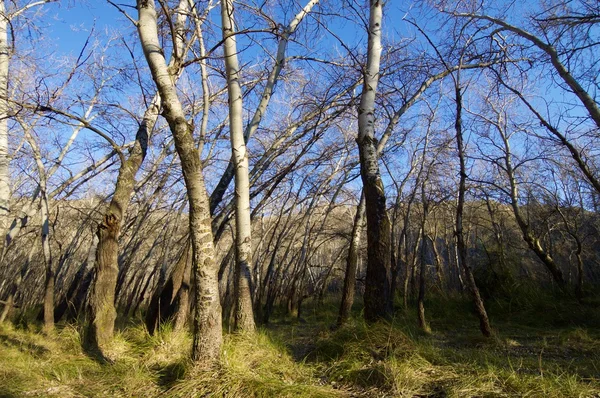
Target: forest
304	198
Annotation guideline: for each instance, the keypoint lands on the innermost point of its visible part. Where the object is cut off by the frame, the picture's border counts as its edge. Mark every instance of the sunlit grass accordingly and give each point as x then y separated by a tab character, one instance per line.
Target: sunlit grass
309	358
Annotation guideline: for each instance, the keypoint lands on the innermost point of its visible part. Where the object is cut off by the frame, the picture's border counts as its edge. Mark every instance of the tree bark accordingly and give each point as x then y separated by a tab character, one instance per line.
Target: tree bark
4	156
377	283
50	275
422	270
244	317
217	195
102	313
351	264
208	337
102	299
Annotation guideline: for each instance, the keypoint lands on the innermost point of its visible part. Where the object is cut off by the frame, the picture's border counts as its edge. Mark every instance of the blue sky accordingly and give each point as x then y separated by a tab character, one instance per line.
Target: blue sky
69	25
72	23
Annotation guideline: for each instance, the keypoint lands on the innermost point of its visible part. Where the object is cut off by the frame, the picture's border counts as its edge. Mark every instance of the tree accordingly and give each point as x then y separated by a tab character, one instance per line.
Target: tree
6	18
484	322
207	313
102	297
377	284
244	317
499	124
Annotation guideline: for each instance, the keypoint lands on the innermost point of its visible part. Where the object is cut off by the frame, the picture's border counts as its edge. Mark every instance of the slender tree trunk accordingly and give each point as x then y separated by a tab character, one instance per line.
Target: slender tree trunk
183	298
244	317
439	266
533	242
207	311
351	264
377	282
50	276
484	322
421	297
163	299
284	37
4	156
411	265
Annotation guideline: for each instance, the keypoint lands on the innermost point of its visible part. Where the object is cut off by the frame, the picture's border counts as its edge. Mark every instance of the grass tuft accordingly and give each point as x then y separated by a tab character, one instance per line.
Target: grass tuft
254	365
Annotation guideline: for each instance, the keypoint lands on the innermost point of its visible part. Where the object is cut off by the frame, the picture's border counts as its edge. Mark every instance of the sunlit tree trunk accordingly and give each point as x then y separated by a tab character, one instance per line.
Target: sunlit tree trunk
50	273
4	157
102	313
102	297
265	98
377	283
207	313
244	318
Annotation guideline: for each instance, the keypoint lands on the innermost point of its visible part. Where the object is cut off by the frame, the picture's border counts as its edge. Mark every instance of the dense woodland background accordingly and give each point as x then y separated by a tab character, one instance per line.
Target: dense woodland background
473	127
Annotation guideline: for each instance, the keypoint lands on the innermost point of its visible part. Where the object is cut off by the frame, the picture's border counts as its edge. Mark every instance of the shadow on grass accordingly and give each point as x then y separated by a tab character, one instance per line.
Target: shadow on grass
170	374
35	350
541	341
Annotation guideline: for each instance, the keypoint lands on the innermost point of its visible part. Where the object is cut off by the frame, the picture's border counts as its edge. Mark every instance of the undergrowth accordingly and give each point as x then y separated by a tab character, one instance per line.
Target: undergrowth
542	350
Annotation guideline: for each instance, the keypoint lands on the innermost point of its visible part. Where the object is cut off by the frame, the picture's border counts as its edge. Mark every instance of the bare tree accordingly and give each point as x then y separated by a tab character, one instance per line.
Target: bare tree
244	317
377	284
207	317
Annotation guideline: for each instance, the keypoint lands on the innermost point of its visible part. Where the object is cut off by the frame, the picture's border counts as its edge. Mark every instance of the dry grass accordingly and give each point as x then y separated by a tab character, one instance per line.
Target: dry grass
308	359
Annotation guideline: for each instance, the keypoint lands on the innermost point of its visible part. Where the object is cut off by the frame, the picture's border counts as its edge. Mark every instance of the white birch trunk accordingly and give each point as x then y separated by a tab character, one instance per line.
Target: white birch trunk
4	157
377	282
244	318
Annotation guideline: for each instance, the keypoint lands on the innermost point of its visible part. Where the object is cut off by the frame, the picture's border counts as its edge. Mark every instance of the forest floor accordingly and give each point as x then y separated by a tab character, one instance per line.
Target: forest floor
542	350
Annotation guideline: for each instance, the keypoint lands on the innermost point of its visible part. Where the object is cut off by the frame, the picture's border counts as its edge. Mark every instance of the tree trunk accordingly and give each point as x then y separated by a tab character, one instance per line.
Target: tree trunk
50	277
421	298
439	265
284	36
104	298
102	313
4	156
484	322
244	317
530	239
351	264
422	259
411	265
377	282
208	337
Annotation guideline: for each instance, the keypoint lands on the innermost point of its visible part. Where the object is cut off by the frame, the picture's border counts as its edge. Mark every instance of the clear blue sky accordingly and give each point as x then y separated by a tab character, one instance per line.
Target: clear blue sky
72	23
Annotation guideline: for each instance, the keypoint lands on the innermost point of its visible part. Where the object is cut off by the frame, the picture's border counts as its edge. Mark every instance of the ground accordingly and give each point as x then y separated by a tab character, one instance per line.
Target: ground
541	350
